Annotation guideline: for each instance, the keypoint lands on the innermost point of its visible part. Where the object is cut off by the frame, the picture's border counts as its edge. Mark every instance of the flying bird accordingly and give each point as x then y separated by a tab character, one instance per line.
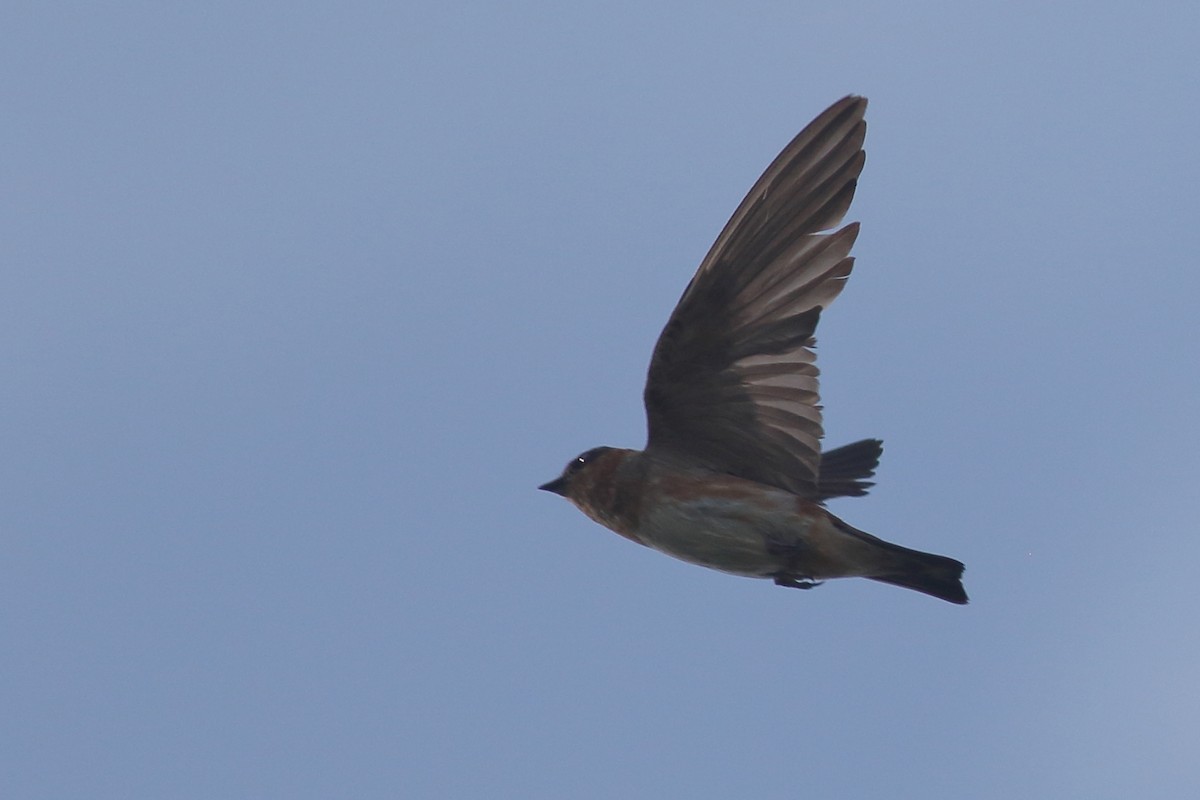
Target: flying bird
732	476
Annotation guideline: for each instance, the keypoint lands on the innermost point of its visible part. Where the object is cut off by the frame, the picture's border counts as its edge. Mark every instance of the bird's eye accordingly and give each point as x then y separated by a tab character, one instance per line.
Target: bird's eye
583	459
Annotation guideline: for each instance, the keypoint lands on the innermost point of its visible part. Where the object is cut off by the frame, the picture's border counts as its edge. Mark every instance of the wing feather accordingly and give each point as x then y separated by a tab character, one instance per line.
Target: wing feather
733	383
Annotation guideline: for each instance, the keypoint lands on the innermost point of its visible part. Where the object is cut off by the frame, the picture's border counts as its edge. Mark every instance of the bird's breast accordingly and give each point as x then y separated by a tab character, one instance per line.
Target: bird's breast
723	524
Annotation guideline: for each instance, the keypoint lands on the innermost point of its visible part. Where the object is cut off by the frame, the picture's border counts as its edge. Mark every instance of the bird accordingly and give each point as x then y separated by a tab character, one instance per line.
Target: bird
732	476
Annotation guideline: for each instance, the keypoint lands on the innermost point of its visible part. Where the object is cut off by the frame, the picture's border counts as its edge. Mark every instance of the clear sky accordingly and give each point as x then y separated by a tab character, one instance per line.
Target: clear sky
302	300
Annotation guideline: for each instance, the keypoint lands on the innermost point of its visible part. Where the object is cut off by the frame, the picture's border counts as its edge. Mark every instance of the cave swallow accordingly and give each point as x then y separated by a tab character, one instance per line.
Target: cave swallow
732	476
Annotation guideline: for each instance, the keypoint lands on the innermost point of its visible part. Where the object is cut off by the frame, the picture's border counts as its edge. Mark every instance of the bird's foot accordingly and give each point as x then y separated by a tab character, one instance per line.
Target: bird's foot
796	581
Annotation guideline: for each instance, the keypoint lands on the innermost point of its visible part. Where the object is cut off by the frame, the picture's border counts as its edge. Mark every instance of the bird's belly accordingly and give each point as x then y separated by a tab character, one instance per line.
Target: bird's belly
724	534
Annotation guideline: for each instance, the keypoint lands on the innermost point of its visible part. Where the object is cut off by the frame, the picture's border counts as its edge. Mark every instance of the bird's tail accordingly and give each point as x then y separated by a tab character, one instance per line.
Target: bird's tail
934	575
931	574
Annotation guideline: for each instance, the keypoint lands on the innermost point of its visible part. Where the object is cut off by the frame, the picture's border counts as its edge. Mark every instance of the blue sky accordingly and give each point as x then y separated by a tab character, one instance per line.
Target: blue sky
302	300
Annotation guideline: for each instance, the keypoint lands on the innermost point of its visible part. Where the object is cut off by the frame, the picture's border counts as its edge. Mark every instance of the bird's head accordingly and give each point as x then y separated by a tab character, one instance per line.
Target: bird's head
575	474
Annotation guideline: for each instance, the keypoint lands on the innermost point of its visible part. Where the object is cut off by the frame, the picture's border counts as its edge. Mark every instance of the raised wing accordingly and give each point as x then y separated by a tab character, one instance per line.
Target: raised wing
846	471
733	383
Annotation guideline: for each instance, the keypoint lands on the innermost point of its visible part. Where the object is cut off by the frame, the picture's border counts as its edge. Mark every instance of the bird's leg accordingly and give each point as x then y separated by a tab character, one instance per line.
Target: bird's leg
795	581
794	555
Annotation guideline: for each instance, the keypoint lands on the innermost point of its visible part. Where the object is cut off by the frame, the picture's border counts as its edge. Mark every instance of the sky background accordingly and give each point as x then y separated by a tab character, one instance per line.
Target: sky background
301	301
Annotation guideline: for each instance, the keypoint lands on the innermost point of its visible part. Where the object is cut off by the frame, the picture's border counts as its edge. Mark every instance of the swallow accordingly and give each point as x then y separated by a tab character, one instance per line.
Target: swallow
732	476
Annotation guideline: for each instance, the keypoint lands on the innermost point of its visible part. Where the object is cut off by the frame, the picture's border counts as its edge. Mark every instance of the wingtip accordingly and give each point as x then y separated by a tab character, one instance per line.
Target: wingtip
857	101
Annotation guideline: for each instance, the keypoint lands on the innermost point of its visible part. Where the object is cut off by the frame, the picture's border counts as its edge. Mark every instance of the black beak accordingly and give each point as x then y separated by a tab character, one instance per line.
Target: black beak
558	486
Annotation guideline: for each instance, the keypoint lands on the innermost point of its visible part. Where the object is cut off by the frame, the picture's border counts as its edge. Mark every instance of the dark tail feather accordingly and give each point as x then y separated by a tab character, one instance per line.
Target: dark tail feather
934	575
844	471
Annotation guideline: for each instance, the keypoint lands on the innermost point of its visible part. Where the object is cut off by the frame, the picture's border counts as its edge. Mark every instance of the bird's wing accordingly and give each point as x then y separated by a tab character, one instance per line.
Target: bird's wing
847	470
733	383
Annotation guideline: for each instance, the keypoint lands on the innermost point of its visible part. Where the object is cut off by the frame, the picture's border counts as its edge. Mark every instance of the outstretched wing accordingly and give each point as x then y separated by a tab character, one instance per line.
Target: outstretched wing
846	471
733	383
